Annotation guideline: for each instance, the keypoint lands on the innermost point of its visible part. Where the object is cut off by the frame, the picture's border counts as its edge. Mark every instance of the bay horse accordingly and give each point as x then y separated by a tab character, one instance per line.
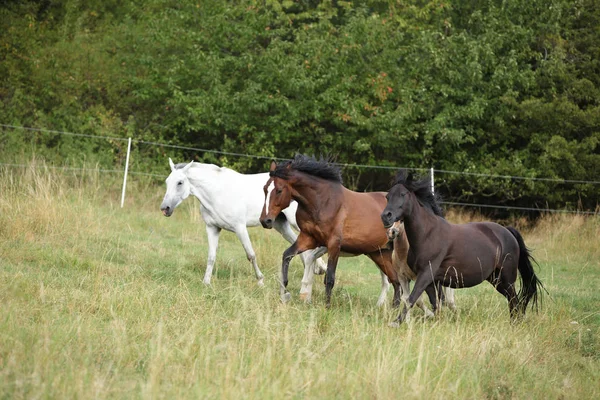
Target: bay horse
231	201
458	255
330	217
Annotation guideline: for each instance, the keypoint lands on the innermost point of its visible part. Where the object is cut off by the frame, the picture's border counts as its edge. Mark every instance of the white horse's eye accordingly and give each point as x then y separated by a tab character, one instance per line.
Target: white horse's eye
179	183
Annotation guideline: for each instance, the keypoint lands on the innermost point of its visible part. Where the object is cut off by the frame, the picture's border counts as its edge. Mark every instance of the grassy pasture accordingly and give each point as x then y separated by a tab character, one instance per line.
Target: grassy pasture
102	302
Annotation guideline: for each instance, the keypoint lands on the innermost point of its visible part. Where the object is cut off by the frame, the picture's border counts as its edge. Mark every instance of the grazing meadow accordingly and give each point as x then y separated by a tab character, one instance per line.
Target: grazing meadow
103	302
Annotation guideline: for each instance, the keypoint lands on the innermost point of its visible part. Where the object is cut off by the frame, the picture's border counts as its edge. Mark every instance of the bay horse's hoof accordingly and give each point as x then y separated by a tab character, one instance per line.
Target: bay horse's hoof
286	297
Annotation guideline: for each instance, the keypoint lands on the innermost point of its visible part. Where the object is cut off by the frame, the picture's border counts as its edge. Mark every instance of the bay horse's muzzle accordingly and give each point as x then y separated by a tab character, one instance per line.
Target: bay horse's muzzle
267	223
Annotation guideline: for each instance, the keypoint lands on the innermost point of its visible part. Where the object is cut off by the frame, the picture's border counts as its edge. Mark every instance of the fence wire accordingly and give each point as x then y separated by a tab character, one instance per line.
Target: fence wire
260	157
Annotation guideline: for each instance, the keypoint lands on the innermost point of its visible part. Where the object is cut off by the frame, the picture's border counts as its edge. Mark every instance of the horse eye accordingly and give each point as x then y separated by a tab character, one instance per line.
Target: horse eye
179	183
278	191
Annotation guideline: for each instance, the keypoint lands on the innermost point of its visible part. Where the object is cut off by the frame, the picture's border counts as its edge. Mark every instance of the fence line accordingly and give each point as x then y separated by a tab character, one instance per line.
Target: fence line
115	171
452	203
474	205
384	167
63	133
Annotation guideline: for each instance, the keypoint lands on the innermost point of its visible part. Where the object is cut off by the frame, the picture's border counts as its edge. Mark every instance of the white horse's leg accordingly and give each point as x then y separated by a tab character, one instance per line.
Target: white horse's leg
242	234
385	285
449	298
212	233
309	274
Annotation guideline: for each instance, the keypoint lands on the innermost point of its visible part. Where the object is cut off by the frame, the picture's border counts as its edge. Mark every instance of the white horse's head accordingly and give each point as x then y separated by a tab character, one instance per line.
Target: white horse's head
178	188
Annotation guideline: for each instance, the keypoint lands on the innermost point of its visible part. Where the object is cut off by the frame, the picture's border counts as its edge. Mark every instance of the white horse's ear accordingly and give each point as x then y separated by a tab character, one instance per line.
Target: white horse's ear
171	164
184	169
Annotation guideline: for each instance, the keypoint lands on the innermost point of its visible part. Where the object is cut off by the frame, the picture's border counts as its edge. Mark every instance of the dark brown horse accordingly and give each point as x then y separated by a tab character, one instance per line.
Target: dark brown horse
458	255
328	215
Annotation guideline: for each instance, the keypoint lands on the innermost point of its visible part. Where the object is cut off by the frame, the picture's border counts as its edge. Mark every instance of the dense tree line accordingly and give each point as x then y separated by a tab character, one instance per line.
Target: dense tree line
503	87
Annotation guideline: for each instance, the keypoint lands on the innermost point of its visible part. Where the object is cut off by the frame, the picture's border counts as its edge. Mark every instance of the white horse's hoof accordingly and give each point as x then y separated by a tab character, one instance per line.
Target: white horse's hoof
286	297
206	282
305	297
394	324
261	282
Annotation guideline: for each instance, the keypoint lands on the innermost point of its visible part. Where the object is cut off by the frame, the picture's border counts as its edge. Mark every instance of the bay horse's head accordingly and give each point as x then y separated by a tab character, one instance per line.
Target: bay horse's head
178	187
278	196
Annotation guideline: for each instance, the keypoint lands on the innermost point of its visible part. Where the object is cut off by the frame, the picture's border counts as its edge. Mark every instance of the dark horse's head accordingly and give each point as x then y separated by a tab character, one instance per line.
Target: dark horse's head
278	189
400	202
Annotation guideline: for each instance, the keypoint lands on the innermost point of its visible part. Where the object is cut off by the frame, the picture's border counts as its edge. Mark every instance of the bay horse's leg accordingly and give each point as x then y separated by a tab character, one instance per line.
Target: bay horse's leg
242	234
303	243
383	259
334	254
310	259
212	233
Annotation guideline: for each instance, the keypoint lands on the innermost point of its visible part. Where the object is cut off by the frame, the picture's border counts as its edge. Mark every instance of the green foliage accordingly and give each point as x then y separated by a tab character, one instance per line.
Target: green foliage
501	87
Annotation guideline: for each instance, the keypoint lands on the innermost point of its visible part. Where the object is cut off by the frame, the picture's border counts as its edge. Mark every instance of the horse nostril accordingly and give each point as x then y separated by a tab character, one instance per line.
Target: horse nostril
269	221
388	215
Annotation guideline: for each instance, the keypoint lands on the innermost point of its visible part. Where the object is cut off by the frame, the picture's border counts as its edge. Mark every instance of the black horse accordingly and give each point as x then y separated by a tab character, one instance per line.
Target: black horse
458	255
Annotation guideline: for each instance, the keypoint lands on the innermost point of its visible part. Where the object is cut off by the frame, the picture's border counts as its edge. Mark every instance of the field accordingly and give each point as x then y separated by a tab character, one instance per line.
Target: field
102	302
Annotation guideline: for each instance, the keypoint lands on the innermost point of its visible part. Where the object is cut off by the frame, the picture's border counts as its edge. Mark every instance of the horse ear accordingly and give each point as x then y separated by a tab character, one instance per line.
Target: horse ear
171	164
184	169
273	166
409	178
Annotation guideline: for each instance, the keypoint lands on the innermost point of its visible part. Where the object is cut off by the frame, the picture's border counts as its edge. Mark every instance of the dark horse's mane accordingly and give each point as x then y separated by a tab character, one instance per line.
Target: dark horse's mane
421	189
322	168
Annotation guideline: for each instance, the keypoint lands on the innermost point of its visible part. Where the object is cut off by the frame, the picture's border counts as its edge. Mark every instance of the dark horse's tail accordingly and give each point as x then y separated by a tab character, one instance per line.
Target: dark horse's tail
530	282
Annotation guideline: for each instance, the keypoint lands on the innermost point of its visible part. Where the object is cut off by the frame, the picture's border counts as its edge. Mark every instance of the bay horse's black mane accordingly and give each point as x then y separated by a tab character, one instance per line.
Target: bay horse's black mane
421	189
321	168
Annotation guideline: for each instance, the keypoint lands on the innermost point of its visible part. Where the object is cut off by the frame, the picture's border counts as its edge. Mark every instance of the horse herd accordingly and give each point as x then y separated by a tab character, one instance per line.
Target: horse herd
402	231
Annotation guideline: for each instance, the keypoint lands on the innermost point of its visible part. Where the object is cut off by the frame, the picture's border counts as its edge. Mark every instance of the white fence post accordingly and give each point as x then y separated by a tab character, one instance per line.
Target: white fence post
126	169
432	185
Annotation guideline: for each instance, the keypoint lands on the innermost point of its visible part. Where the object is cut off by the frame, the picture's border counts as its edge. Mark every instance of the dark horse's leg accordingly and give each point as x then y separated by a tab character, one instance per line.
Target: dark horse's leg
383	259
424	280
502	282
434	296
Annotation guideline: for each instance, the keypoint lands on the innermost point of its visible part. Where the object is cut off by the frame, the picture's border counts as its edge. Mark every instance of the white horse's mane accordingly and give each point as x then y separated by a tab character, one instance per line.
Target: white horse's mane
198	165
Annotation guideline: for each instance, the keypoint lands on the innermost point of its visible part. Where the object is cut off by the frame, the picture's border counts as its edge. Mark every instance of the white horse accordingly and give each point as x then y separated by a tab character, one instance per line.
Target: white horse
231	201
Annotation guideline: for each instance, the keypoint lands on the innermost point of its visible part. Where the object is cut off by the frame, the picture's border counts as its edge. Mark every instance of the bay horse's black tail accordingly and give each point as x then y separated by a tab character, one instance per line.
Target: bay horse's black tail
530	282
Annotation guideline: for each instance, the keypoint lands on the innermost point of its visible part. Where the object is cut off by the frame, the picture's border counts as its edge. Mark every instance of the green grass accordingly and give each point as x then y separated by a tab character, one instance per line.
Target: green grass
102	302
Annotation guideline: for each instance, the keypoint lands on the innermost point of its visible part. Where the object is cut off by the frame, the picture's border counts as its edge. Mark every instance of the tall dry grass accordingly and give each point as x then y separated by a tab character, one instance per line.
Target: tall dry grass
99	302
